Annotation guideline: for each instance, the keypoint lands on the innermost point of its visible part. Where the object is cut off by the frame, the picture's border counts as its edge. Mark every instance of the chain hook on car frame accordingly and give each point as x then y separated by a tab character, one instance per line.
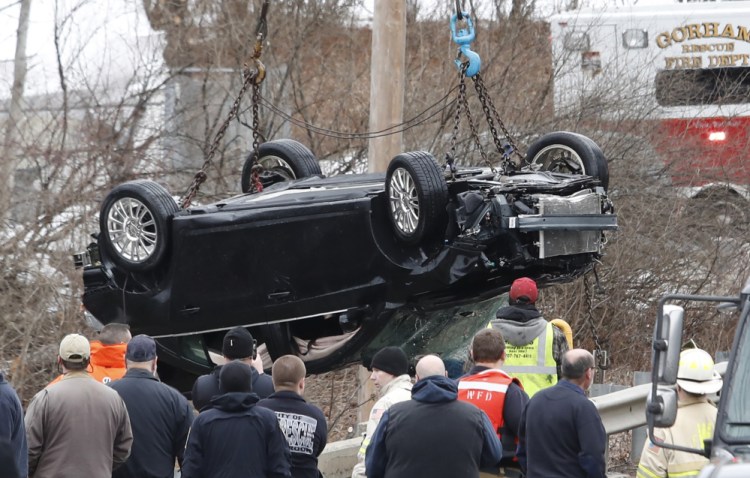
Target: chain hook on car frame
252	77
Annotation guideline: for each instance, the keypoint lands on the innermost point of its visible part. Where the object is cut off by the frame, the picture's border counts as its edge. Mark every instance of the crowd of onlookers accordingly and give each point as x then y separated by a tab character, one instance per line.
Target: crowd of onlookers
520	410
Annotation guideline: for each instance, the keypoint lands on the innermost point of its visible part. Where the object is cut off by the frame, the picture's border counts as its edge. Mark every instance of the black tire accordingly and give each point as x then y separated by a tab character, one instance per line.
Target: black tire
571	153
602	165
719	213
286	159
278	340
134	223
417	195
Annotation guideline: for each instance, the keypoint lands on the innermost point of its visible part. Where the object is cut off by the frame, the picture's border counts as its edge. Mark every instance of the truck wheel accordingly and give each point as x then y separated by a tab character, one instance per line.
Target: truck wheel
280	160
571	153
134	223
417	196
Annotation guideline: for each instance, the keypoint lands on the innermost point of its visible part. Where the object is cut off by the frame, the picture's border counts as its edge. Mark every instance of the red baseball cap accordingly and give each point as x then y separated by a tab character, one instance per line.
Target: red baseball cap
524	287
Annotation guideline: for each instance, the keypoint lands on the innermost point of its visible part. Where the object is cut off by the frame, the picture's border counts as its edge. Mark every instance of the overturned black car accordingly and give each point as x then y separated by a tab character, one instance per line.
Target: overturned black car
331	268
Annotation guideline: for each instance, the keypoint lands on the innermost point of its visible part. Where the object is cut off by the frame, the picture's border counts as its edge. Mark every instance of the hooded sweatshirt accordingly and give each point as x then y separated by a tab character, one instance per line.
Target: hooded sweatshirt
434	435
234	438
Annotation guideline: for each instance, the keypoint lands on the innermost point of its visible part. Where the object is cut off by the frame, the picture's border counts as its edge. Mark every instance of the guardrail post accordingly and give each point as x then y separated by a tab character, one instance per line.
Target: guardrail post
638	437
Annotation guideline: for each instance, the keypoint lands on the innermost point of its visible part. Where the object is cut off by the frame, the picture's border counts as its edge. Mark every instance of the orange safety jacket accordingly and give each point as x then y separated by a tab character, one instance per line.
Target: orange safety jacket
107	362
486	390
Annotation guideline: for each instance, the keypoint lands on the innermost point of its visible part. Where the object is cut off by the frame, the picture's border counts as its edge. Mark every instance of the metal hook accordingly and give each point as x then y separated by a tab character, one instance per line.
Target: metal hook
463	38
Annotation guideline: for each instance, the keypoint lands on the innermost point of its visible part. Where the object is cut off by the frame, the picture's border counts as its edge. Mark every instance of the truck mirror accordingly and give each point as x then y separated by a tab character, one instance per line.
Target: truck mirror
662	409
667	341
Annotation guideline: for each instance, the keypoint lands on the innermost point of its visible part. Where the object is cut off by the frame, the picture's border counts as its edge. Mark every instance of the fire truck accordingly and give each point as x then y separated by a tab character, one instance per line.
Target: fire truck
681	73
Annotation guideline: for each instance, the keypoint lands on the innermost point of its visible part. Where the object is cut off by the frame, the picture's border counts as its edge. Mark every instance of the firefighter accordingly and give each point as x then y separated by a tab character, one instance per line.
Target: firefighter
534	346
696	416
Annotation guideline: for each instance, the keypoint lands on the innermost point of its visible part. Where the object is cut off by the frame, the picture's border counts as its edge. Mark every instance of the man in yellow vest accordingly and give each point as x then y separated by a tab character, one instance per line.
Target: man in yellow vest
696	417
533	346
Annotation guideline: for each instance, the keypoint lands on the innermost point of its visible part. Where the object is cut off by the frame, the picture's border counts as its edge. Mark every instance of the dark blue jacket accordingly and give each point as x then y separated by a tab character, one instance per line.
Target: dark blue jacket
434	435
236	439
561	435
160	418
206	387
12	429
304	427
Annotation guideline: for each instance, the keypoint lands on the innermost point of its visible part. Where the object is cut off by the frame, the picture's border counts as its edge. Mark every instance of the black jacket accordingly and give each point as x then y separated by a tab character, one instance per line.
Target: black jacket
160	418
236	438
304	427
206	387
562	411
434	435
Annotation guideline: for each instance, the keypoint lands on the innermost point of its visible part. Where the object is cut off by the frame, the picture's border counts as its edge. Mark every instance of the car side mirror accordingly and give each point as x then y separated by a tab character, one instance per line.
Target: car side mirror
662	408
667	342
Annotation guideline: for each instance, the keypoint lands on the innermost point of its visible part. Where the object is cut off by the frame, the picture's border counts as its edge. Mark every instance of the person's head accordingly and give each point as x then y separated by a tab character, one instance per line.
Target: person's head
523	291
696	375
430	365
387	364
238	345
578	367
236	376
488	347
113	334
141	353
74	353
288	373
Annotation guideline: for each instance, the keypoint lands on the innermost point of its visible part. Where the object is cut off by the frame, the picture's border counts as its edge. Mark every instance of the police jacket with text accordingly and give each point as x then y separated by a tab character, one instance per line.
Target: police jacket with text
236	438
304	427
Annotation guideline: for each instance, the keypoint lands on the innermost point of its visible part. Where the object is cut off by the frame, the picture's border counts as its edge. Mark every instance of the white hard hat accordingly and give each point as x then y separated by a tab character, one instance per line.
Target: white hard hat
696	373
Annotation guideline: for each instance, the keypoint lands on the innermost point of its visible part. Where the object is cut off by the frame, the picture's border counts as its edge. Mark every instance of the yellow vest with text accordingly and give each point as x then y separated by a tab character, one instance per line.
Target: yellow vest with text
533	363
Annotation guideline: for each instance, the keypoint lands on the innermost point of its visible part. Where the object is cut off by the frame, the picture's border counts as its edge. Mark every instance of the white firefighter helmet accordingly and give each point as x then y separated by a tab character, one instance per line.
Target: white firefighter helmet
696	373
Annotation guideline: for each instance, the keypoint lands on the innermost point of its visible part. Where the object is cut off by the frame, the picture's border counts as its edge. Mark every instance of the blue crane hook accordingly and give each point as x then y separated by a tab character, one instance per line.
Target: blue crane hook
463	39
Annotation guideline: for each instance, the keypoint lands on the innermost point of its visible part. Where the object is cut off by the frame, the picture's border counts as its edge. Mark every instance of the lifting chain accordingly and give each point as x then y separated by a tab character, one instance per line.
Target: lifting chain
463	104
493	117
252	77
601	356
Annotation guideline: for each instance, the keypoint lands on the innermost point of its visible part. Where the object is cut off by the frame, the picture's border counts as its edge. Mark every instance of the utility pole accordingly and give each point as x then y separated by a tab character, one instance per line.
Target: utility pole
387	79
9	151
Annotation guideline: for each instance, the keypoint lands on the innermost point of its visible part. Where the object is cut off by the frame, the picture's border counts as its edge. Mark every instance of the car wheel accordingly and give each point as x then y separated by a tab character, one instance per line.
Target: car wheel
280	160
134	221
278	339
571	153
417	196
720	213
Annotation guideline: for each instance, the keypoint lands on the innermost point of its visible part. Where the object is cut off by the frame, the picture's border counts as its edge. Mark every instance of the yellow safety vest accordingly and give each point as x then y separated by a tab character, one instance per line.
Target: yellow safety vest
533	363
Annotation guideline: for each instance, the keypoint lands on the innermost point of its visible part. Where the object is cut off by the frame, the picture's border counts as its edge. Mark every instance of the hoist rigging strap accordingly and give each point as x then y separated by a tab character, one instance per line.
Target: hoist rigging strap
252	77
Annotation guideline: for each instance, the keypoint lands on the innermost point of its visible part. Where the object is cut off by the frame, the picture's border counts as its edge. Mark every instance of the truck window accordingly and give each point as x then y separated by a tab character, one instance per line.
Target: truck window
737	396
708	86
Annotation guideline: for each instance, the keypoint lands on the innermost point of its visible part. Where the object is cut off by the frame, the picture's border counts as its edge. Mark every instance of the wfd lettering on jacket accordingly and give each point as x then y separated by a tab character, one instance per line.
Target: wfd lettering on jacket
299	431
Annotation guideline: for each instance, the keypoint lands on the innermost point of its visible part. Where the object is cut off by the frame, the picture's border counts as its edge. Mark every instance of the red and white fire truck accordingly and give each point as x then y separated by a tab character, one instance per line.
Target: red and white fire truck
682	70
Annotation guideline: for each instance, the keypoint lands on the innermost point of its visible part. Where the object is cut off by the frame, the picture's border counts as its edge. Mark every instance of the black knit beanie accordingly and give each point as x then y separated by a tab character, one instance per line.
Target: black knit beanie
391	360
235	377
238	344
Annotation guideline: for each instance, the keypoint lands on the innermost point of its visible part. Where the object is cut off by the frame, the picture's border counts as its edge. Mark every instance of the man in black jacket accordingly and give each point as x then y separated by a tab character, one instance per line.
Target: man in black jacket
159	415
238	345
235	437
433	434
561	433
303	424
